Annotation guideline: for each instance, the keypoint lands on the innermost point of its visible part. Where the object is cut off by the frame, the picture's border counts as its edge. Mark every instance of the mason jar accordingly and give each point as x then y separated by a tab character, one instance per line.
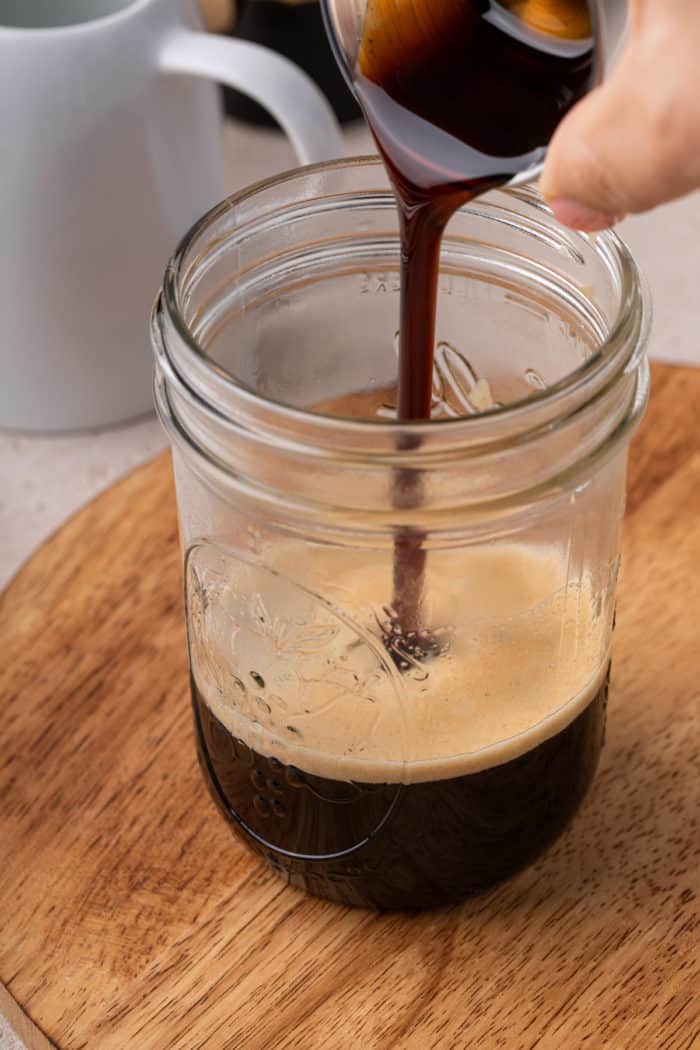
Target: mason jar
399	635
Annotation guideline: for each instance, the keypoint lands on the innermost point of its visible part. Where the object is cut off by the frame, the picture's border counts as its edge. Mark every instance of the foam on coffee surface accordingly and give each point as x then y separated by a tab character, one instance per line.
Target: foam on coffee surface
524	654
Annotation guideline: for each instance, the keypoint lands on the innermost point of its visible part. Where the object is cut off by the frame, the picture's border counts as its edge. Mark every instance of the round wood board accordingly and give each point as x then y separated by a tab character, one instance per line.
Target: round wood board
131	918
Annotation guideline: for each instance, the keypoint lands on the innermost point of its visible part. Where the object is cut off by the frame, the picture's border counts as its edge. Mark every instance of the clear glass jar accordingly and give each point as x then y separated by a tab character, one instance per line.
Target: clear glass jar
368	762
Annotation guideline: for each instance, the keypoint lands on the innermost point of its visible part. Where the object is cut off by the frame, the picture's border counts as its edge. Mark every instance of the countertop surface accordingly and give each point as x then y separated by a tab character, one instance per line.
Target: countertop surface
44	480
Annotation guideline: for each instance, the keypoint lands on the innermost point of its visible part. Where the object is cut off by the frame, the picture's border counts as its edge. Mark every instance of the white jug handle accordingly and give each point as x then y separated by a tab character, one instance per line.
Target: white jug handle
272	80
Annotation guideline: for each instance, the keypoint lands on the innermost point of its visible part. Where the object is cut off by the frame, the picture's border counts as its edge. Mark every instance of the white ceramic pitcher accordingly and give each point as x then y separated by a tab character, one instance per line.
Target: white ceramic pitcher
110	148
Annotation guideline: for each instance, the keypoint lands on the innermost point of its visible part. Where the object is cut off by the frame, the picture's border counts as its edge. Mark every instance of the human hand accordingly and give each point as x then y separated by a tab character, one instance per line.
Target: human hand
634	142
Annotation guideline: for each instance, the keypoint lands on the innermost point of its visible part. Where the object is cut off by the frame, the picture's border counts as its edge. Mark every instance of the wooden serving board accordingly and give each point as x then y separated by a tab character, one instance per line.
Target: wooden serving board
131	918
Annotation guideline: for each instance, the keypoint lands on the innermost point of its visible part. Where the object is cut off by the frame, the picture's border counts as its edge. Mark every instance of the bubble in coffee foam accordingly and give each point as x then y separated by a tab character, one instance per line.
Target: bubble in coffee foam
523	661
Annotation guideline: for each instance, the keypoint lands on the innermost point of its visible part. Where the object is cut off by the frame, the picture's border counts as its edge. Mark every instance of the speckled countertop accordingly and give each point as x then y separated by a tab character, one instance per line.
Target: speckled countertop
44	480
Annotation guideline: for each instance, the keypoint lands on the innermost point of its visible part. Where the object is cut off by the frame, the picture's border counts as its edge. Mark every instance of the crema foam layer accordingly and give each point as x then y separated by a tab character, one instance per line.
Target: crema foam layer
524	654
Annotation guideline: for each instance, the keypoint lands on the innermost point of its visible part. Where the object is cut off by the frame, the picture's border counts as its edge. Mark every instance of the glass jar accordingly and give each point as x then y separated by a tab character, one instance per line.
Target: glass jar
399	635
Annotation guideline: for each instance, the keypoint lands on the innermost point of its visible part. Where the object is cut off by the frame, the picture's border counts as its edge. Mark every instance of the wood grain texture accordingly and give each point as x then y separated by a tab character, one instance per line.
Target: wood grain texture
131	918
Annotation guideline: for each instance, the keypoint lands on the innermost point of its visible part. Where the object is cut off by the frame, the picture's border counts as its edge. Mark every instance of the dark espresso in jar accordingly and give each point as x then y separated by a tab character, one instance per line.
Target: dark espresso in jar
461	95
409	790
396	846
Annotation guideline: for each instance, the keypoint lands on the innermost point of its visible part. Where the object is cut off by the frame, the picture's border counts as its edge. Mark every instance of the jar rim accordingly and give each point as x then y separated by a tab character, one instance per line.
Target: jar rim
619	353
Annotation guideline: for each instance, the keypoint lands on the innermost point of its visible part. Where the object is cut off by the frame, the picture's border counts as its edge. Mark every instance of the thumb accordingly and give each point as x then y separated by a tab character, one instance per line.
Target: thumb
634	142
